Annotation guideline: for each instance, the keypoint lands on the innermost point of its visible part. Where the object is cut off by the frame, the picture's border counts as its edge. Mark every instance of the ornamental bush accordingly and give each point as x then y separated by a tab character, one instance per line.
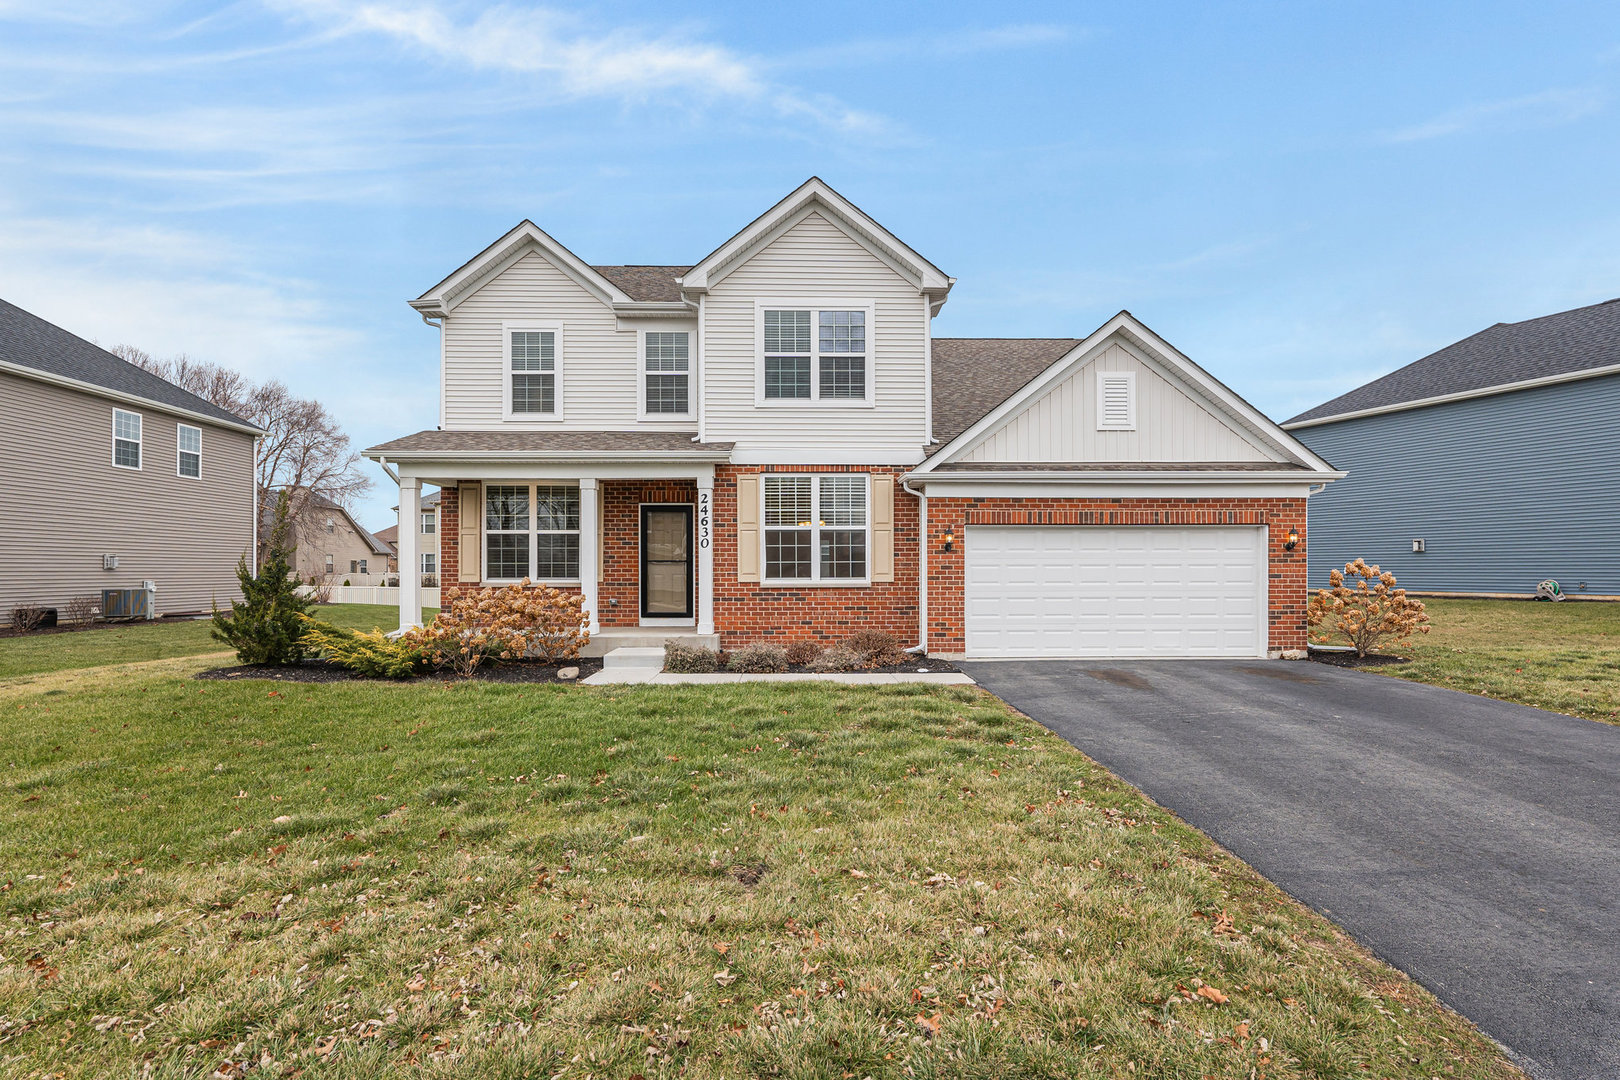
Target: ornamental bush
800	653
876	648
518	622
837	658
373	656
1366	614
267	625
758	659
686	659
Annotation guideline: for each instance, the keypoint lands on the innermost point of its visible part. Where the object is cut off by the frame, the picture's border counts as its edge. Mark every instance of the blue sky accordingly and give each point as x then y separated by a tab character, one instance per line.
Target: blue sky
1300	197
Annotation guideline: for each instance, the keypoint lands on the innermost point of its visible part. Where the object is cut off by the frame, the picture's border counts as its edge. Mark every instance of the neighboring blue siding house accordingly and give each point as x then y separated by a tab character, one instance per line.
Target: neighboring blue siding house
1501	453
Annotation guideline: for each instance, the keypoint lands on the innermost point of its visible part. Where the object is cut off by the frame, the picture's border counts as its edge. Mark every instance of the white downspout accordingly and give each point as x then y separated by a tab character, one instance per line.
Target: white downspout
922	567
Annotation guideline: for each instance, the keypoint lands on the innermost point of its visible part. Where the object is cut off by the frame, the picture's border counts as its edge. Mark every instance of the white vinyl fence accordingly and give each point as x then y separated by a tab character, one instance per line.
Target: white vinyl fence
370	594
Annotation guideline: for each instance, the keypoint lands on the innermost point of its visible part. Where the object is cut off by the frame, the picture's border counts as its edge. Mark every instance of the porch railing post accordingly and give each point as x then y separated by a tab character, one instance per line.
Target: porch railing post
410	584
590	544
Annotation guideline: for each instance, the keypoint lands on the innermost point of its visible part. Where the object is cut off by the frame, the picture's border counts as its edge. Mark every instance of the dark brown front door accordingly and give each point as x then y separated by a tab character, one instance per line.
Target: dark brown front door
666	562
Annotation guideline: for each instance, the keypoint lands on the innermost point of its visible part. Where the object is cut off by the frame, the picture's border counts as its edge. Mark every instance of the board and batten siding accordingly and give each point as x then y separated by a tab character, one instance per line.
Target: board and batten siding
1061	424
815	262
66	505
1504	491
600	363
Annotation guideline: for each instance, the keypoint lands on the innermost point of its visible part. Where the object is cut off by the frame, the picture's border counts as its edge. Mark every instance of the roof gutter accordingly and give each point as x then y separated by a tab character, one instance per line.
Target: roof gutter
1047	476
23	371
376	454
1461	395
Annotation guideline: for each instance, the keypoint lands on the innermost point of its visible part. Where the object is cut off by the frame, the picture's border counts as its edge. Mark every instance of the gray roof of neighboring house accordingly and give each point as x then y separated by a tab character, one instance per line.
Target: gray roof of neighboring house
1568	342
29	341
974	375
650	283
674	443
378	546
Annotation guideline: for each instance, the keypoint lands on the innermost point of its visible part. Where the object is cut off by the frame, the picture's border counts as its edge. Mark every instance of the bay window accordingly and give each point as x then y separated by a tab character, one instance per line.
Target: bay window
816	528
815	354
531	531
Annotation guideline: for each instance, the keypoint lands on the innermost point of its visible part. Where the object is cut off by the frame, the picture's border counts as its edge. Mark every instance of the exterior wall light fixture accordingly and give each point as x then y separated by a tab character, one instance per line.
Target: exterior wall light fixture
950	538
1293	540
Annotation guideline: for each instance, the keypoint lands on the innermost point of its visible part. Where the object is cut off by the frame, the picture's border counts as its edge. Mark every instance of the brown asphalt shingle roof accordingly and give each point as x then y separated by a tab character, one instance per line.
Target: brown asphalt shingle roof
974	375
651	283
674	443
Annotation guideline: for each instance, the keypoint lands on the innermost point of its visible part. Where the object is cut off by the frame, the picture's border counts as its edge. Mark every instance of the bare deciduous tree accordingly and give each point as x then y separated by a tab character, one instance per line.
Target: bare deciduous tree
303	451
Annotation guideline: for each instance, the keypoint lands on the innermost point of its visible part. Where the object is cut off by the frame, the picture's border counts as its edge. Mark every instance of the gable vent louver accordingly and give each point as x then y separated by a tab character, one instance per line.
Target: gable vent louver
1116	400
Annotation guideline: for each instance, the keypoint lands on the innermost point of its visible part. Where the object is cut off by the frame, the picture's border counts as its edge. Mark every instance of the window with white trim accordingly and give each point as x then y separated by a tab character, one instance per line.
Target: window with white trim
1116	401
430	521
815	354
532	360
188	451
430	562
363	569
330	565
665	362
531	531
126	439
816	528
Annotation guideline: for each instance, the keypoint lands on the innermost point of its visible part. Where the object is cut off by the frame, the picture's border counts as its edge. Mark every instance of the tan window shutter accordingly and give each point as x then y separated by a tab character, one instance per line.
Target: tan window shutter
747	528
882	528
470	533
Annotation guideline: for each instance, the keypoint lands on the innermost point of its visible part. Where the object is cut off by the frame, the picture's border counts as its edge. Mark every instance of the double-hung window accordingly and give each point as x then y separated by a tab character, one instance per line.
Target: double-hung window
533	371
430	562
816	354
817	528
666	364
126	439
430	521
531	531
188	459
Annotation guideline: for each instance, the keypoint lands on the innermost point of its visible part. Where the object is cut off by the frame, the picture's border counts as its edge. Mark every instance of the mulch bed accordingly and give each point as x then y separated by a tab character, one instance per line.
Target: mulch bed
324	671
1351	660
98	624
912	664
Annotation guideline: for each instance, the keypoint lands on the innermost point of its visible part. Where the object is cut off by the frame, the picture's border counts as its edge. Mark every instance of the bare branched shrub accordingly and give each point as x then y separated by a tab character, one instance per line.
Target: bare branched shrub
81	610
521	621
800	653
836	658
26	617
876	648
759	658
1368	613
689	659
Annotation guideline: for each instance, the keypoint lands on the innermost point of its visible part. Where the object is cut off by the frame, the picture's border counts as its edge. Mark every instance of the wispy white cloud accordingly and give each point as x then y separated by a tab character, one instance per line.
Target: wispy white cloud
938	46
1549	108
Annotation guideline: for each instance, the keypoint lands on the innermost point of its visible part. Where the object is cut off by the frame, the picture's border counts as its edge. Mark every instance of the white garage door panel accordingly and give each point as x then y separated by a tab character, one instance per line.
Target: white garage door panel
1081	591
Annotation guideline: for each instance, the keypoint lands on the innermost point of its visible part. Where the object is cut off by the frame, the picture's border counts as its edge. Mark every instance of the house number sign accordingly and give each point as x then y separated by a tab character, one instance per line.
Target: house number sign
703	519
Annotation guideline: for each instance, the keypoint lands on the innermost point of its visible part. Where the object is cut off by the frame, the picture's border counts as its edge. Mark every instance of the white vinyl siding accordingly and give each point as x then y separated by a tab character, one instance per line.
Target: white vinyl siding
1167	423
816	529
814	265
126	439
599	389
188	451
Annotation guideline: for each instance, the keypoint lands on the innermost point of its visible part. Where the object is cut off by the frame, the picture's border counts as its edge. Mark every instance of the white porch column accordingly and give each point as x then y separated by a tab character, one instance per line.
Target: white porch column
410	565
705	552
590	546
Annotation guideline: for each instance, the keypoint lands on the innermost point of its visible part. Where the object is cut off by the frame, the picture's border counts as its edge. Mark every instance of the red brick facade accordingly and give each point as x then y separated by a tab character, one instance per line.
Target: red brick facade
750	611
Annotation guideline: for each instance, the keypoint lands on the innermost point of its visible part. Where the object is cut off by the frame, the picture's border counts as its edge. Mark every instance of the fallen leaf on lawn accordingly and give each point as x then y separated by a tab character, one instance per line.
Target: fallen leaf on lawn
929	1024
723	947
1212	994
1243	1030
417	984
858	873
724	977
282	820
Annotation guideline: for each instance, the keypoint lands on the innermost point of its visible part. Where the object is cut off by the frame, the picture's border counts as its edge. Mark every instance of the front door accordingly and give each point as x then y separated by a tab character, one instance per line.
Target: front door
666	562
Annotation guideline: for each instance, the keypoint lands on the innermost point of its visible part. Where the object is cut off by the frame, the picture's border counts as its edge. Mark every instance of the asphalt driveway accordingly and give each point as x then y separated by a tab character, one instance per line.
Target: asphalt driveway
1472	843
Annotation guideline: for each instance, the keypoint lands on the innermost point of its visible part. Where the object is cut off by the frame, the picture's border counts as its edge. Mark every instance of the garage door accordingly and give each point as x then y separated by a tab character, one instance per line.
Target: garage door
1057	591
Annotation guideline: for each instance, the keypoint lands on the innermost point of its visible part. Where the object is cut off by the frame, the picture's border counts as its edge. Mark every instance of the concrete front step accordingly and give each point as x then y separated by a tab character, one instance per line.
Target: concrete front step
626	657
604	642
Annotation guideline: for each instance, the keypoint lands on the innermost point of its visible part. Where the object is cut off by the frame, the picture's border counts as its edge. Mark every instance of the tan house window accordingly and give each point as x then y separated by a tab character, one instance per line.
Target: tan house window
330	566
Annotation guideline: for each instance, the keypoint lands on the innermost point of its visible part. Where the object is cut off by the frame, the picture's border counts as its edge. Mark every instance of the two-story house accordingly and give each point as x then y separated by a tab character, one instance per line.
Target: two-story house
770	444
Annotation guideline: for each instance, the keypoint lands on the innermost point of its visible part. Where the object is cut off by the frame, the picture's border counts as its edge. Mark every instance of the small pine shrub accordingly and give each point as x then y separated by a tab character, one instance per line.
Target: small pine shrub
760	658
836	658
686	659
267	625
800	653
876	648
372	656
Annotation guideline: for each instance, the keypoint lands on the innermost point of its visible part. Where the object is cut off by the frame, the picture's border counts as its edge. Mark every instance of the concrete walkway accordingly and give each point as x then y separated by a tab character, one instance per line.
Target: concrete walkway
611	676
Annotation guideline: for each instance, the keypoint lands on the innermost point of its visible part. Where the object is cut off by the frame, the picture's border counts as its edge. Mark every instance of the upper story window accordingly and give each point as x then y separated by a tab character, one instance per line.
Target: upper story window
188	453
430	521
666	368
531	531
534	372
816	354
331	526
126	439
816	527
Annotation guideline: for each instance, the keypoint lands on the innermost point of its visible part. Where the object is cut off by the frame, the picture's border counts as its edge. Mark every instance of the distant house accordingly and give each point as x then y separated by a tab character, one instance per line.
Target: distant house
427	539
111	477
331	547
1483	468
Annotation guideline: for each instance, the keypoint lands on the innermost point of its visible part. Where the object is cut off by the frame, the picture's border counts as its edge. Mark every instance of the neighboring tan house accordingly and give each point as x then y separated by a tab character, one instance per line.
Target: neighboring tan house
1483	468
331	547
427	540
111	477
772	444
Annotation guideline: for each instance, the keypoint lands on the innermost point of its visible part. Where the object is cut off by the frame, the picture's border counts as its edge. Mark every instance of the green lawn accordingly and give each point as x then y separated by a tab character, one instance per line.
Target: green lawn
123	643
1564	657
796	880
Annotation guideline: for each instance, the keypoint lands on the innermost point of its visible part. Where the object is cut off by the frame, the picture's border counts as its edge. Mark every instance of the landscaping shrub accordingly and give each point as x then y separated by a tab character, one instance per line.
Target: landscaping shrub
26	617
800	653
373	655
759	658
876	648
267	625
1369	613
81	610
837	658
517	622
689	659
